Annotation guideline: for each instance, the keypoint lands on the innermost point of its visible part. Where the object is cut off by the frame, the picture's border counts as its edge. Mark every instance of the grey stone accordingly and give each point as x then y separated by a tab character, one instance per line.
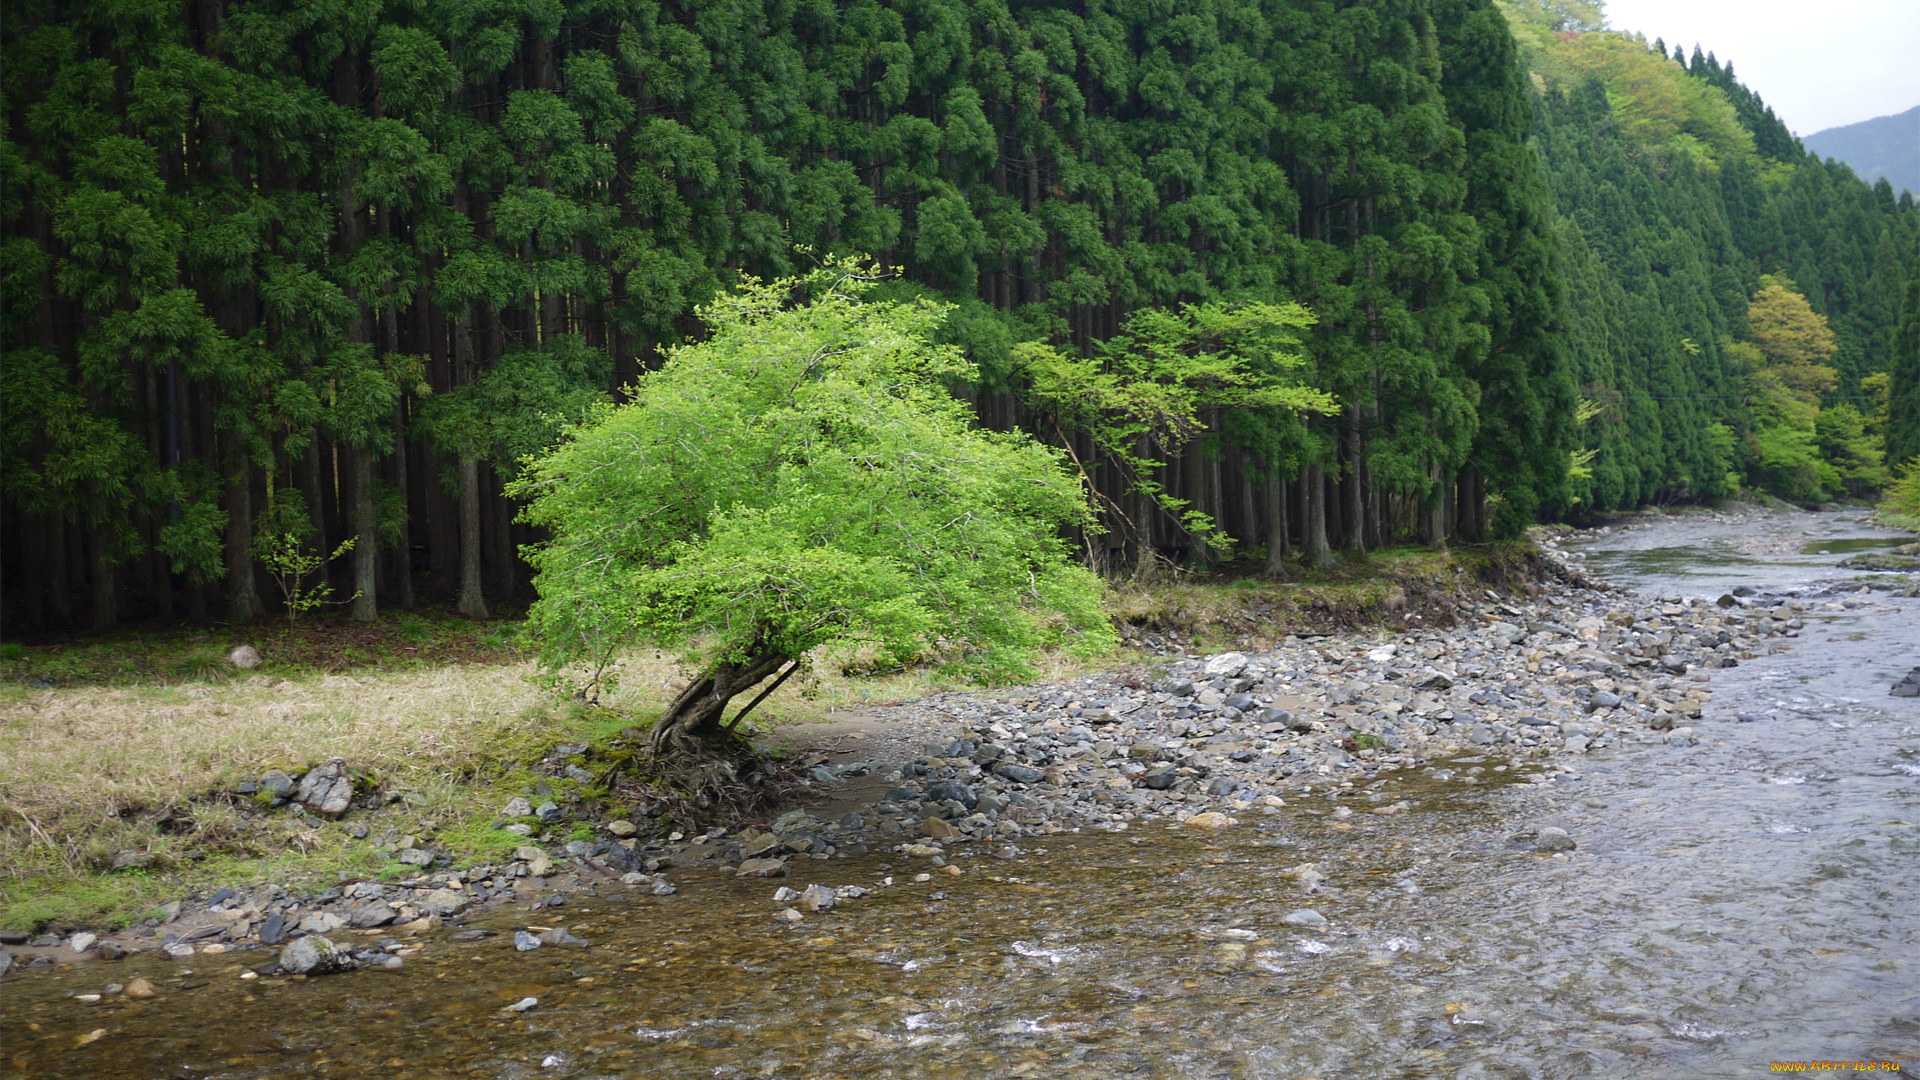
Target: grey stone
817	898
314	955
327	789
369	915
417	857
1019	774
14	937
110	950
1603	699
762	868
550	812
559	936
1552	839
942	790
525	942
518	806
762	846
244	657
274	930
277	784
1162	777
1304	917
1226	665
131	860
6	962
522	1005
82	941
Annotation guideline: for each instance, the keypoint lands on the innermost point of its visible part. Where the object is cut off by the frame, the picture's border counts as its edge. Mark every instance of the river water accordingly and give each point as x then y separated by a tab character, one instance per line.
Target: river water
1751	899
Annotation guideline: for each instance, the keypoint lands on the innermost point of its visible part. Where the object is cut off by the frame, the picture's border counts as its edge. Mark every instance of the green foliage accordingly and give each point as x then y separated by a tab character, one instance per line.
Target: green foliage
1144	394
290	562
801	477
1900	506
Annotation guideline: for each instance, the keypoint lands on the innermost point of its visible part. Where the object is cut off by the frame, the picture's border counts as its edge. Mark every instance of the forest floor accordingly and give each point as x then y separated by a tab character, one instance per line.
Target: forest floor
139	749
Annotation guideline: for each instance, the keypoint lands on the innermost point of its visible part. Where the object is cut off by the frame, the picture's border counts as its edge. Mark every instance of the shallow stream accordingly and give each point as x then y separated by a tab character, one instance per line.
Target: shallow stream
1752	899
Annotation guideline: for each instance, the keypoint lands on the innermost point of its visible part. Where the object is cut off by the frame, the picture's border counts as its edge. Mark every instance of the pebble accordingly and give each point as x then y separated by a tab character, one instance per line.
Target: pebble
1552	839
139	989
1304	917
522	1005
525	942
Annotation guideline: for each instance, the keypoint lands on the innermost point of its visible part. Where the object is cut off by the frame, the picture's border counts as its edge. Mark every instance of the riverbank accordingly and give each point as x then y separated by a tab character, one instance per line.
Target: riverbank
1666	904
132	766
1528	683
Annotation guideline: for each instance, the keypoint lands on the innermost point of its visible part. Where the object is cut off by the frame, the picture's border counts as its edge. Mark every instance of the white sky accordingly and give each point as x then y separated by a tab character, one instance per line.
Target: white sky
1820	65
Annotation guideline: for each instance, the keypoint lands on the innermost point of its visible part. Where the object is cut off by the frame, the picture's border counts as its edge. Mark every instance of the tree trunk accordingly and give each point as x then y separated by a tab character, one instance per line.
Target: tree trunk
472	604
106	605
691	724
1313	493
60	597
1353	489
366	545
1273	491
311	486
403	563
504	555
243	597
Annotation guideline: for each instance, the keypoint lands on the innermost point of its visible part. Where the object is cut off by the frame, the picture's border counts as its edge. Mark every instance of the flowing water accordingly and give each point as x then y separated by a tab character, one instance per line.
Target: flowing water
1746	901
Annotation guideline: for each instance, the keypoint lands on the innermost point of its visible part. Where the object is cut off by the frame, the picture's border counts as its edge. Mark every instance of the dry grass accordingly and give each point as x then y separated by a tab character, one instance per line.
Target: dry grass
148	763
87	772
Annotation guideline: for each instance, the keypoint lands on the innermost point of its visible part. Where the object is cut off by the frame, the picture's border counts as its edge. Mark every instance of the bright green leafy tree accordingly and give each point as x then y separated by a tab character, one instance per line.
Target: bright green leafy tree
802	477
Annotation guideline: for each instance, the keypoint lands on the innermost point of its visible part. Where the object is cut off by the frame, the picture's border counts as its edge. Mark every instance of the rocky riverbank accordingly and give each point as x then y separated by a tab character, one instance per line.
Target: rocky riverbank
1522	687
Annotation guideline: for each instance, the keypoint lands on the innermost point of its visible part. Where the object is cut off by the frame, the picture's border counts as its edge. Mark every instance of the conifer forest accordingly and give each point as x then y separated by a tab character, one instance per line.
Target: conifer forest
311	280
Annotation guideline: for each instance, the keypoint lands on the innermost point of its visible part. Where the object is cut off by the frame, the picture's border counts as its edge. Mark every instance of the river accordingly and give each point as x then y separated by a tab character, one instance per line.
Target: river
1749	900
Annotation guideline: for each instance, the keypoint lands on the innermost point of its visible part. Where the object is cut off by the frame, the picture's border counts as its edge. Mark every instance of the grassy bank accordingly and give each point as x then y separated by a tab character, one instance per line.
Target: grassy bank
133	748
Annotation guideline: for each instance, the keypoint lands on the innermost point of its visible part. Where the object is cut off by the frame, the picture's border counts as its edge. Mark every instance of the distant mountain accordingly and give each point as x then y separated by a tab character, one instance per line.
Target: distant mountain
1886	146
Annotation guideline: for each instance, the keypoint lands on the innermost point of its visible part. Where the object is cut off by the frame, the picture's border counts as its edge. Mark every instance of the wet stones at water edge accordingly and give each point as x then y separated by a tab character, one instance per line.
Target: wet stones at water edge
315	955
1552	839
1909	685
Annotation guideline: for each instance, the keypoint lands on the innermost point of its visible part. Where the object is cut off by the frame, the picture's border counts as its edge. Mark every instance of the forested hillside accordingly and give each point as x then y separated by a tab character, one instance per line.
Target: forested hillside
1886	146
327	271
1733	296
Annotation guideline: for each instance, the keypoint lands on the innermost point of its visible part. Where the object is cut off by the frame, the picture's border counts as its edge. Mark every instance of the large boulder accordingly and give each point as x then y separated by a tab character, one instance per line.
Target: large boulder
314	955
326	790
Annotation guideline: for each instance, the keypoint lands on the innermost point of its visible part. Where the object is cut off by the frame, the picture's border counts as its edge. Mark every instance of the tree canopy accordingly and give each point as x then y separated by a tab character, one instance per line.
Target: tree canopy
803	477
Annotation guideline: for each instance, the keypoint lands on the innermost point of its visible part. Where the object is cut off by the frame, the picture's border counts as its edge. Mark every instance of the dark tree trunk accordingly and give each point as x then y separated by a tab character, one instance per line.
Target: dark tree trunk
106	602
472	604
1273	491
366	545
243	597
1313	536
403	557
1353	487
691	724
58	594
